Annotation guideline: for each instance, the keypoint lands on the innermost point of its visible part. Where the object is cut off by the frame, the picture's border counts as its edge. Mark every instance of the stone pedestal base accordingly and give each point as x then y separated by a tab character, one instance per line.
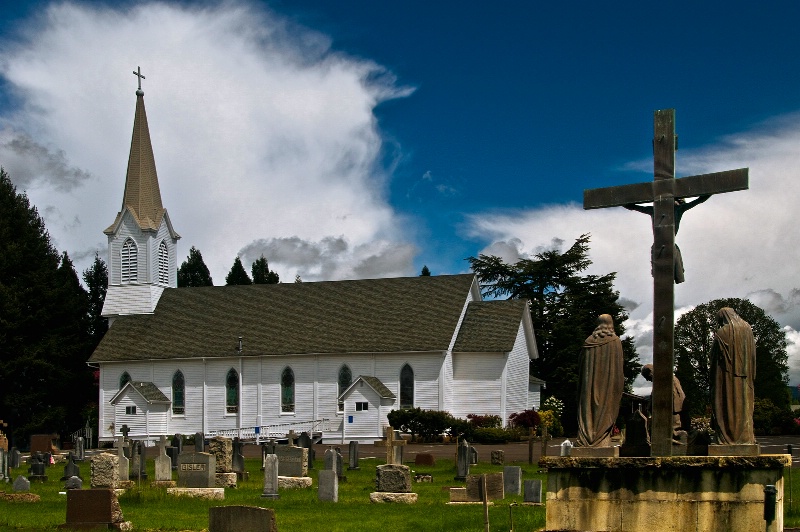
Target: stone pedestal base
125	484
734	450
294	482
225	480
595	452
686	493
385	496
201	493
163	484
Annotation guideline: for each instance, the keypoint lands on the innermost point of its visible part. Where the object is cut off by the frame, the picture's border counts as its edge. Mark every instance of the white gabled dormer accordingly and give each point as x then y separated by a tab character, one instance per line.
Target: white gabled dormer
142	244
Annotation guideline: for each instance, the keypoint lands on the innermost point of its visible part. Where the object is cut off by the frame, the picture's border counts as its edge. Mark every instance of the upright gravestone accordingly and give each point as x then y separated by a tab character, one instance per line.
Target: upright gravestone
352	456
339	465
498	457
494	487
163	462
94	509
512	480
80	449
36	470
390	442
138	461
14	458
270	477
473	455
196	470
462	460
175	449
292	461
199	442
306	442
73	483
3	465
222	449
328	489
329	460
241	518
71	469
122	460
393	484
21	484
104	470
533	491
237	461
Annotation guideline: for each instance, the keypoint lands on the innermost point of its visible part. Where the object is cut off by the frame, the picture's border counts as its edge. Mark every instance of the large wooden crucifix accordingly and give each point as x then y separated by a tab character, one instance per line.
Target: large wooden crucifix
663	191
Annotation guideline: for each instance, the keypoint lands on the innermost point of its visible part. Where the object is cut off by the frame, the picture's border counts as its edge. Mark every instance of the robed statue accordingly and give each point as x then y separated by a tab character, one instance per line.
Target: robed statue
600	384
733	369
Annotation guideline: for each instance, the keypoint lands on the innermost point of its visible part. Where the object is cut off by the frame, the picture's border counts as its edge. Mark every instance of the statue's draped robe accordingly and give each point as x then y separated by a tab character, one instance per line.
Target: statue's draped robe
733	369
600	385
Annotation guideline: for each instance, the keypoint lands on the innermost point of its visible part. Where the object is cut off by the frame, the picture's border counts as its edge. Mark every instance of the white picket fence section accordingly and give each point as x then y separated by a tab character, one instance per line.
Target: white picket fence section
274	432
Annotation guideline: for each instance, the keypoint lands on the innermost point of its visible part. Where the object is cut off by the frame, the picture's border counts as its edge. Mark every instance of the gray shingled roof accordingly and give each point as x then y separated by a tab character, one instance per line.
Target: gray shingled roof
490	326
363	316
148	390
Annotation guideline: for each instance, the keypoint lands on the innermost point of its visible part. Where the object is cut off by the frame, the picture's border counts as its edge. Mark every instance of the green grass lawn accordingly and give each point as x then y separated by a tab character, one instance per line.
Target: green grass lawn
152	509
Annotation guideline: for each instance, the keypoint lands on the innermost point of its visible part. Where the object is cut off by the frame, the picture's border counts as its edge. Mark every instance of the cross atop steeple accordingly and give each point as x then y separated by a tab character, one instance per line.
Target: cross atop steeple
138	73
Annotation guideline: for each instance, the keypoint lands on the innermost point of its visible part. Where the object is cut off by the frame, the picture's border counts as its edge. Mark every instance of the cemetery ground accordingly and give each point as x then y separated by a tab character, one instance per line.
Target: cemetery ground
149	508
152	509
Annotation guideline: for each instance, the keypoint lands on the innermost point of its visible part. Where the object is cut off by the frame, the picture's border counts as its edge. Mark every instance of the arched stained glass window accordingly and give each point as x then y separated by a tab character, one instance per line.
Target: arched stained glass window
129	269
163	263
232	392
125	377
345	380
406	387
287	390
178	386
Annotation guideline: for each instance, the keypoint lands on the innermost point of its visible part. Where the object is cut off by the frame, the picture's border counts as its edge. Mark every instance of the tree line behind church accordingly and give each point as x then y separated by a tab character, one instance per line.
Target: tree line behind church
194	272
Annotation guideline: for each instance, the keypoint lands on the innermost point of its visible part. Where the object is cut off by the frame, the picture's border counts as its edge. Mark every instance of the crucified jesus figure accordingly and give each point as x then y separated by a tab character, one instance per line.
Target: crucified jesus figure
681	206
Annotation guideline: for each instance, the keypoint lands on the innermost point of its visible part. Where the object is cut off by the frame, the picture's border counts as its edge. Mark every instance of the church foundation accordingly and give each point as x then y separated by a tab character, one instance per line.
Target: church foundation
653	494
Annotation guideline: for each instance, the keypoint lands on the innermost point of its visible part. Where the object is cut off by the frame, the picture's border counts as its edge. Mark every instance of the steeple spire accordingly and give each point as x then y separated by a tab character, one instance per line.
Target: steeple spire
142	196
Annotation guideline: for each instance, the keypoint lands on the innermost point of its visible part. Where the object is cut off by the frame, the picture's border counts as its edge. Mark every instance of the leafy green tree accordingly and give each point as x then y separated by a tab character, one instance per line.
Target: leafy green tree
425	271
44	338
564	308
237	275
193	271
96	279
262	274
694	336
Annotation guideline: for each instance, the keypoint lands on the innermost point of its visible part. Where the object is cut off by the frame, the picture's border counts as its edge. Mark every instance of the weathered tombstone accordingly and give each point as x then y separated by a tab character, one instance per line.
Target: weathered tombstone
306	442
424	459
46	458
104	470
393	484
340	465
237	462
196	470
512	479
241	519
462	460
125	430
80	449
473	455
222	449
498	457
328	488
329	460
163	468
175	449
390	443
199	442
665	192
138	461
71	469
94	508
533	491
122	460
73	483
270	477
14	458
494	487
352	456
22	484
3	464
36	471
292	461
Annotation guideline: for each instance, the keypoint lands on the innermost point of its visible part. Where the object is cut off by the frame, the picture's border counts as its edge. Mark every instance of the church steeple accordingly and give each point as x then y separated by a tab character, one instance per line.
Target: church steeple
142	244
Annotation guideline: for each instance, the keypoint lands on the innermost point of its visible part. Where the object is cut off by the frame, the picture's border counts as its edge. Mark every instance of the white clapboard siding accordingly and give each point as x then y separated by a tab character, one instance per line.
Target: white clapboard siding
517	372
172	250
426	366
477	383
366	424
447	375
217	417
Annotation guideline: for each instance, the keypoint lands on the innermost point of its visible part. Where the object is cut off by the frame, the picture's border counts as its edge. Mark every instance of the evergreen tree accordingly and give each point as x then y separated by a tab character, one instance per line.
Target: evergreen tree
262	274
44	339
694	336
425	271
193	271
237	275
96	279
564	310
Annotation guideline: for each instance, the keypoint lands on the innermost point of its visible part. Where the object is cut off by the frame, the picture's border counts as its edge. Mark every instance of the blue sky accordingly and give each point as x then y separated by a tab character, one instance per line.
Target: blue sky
365	139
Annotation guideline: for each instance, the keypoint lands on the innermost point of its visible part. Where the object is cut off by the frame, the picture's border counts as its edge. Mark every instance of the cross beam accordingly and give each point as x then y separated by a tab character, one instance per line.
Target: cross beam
390	444
138	73
663	191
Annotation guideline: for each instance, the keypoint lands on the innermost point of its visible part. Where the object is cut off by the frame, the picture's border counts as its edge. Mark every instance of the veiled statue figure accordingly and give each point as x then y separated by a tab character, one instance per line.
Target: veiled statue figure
733	369
600	384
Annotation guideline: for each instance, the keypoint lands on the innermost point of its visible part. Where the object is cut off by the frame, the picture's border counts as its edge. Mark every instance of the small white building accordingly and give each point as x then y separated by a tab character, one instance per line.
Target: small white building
231	358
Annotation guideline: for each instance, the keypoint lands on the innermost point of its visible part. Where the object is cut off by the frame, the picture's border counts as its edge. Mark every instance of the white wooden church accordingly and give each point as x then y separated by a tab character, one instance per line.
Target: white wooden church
243	359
